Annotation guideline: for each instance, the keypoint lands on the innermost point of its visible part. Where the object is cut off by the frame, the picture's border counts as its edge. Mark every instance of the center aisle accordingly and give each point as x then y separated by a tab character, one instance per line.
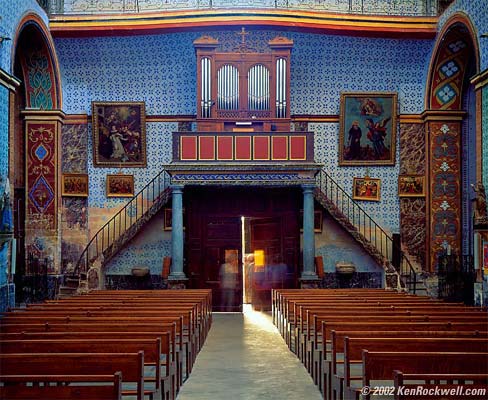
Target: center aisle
245	358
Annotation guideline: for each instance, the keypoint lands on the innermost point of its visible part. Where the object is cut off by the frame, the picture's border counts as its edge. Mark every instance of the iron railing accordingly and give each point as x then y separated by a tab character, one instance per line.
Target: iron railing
456	276
124	223
378	7
368	229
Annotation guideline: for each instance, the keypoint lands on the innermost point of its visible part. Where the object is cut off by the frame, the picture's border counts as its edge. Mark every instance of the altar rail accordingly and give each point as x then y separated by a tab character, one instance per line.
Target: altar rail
376	7
243	147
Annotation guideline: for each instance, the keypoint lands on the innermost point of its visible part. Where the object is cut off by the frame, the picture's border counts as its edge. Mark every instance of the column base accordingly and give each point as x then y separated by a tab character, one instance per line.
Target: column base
176	283
310	282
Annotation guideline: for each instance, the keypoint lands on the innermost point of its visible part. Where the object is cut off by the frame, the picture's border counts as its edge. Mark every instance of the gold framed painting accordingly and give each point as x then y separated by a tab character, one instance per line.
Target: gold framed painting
74	185
119	134
366	189
120	185
368	125
411	186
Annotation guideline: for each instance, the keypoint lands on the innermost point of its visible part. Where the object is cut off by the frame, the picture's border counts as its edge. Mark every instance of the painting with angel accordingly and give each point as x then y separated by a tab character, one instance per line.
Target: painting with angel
367	134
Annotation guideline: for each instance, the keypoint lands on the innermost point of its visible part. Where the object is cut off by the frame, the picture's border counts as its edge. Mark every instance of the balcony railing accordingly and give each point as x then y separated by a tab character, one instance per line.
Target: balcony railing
376	7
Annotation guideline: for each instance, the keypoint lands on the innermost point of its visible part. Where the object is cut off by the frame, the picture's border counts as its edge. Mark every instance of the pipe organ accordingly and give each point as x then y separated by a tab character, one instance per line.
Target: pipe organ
243	90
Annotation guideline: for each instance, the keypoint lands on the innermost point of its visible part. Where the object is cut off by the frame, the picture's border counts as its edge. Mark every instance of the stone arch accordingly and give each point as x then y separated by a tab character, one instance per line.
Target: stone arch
34	154
454	60
33	48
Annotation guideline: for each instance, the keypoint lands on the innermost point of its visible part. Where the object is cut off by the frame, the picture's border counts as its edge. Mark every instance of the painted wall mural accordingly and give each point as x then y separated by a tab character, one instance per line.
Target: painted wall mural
413	210
41	175
445	189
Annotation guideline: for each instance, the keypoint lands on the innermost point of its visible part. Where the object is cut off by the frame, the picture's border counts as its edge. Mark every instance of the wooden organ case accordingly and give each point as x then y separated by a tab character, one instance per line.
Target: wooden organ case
243	90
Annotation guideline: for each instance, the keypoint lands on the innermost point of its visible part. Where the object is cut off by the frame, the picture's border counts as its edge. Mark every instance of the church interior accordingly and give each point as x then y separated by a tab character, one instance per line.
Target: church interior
238	165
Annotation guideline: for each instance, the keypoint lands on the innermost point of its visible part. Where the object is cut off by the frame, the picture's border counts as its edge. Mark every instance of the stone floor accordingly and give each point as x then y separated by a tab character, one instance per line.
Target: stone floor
245	358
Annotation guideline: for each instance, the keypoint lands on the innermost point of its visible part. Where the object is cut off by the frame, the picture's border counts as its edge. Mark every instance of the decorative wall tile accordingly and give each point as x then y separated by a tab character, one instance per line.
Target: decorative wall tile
334	244
4	113
385	212
12	12
147	249
322	66
159	152
477	10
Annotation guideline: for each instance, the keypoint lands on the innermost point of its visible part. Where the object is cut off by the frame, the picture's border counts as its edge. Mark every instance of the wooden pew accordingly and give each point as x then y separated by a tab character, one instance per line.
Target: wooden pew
343	379
328	327
157	353
379	366
131	365
440	386
335	353
66	387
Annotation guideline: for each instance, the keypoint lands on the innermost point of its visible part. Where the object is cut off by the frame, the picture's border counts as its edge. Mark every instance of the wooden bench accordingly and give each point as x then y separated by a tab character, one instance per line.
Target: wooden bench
335	352
131	365
380	366
157	354
61	387
343	379
441	386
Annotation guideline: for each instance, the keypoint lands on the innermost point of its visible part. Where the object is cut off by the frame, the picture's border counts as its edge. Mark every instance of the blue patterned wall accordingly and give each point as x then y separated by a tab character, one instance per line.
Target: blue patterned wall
4	113
118	68
477	10
159	152
386	212
12	12
147	249
334	244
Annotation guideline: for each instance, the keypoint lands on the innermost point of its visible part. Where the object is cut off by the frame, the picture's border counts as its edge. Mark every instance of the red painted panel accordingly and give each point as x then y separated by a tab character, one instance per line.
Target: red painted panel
298	148
261	148
188	148
243	147
279	148
225	148
41	174
206	147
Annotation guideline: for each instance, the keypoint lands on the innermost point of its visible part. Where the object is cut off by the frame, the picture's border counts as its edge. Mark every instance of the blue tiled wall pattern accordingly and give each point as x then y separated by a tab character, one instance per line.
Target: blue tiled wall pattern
12	12
335	245
4	101
477	10
119	68
159	152
324	66
147	249
386	212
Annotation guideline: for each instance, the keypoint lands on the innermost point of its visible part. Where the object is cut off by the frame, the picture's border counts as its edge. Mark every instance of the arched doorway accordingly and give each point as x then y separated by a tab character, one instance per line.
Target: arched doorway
34	155
451	125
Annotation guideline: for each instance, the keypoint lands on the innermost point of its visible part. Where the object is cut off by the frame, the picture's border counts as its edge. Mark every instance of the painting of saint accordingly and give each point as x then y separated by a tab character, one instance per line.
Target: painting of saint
367	129
119	134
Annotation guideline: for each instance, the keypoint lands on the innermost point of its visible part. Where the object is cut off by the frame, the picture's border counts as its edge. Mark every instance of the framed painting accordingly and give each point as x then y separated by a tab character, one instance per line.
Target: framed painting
120	185
119	134
411	186
74	185
368	125
366	189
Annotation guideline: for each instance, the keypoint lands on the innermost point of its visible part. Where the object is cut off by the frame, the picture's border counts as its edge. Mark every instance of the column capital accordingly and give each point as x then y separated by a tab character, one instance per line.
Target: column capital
177	188
308	188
